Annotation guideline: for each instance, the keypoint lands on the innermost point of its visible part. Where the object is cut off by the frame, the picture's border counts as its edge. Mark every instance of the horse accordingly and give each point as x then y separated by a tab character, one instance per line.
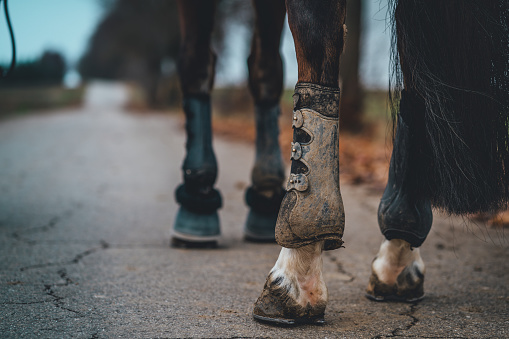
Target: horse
450	105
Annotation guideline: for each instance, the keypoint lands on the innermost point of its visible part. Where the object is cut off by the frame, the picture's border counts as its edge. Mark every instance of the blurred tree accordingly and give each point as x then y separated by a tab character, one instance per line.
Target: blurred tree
351	90
139	40
49	70
232	15
136	40
106	4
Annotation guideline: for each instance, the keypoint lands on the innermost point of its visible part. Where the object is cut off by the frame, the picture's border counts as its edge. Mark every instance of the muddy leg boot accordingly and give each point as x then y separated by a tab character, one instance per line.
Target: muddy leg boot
404	218
197	222
312	209
311	212
265	195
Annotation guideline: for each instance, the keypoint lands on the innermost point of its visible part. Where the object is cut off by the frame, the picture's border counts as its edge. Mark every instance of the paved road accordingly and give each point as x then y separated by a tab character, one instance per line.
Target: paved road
86	205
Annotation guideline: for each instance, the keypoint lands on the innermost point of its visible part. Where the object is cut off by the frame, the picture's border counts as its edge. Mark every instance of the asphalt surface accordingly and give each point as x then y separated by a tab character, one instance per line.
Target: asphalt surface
86	206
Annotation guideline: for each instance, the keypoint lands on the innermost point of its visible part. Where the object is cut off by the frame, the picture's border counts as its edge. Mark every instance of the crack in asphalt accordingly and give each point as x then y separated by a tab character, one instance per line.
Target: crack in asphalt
103	245
397	331
58	300
18	235
340	267
26	303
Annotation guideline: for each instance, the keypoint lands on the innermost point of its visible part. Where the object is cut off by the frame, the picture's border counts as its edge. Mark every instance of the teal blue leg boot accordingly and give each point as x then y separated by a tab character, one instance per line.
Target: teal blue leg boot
266	193
197	221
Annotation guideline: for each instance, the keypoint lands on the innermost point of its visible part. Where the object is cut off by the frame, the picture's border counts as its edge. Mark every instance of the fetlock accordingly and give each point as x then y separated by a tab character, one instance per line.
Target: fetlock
312	209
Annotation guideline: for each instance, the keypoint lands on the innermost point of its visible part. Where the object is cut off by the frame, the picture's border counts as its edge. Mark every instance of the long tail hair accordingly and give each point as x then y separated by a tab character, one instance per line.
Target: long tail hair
455	55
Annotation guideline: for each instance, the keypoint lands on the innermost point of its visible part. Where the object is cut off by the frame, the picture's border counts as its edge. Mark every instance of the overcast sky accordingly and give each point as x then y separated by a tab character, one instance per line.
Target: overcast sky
66	26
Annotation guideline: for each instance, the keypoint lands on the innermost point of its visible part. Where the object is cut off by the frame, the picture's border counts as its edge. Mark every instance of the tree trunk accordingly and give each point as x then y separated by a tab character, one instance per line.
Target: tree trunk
351	91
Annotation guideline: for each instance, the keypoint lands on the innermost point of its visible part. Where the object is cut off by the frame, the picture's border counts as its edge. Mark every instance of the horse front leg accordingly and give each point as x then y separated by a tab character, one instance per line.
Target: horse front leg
311	216
197	222
266	84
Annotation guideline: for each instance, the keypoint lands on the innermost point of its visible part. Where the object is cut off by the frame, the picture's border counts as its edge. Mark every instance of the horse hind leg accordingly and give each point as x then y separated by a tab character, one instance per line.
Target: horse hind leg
404	218
266	83
311	217
197	221
404	214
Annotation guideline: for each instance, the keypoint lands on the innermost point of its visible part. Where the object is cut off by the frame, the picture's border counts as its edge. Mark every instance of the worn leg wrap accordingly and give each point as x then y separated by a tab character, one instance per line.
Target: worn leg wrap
402	215
265	195
197	219
312	209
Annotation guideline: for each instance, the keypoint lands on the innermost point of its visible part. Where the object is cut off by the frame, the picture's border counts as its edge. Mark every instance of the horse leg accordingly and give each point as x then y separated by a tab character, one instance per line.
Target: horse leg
197	222
404	218
398	270
266	85
311	217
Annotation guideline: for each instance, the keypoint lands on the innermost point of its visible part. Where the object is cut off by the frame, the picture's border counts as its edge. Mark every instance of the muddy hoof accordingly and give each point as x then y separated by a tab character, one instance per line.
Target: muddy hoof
409	287
289	322
278	307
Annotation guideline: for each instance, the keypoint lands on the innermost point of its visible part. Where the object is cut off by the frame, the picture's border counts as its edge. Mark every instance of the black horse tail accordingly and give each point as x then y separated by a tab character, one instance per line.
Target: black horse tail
454	56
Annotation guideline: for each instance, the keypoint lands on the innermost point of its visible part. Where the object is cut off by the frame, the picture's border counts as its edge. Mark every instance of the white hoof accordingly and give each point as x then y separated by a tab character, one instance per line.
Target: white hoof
397	273
295	291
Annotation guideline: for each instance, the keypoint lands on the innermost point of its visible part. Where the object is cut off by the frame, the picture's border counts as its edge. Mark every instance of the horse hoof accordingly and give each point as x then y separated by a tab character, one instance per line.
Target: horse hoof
260	227
407	289
192	230
393	298
295	292
320	320
277	306
397	273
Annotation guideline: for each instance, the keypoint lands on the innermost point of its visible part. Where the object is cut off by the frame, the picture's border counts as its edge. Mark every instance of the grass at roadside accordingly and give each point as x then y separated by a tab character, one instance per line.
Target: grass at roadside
21	100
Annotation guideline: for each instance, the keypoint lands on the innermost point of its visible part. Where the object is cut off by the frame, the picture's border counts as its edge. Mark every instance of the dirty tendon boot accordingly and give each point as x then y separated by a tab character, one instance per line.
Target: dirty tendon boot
312	209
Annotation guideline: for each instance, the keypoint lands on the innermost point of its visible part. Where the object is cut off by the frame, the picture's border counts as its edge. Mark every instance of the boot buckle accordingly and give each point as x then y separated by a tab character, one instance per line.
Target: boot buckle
298	182
298	119
296	151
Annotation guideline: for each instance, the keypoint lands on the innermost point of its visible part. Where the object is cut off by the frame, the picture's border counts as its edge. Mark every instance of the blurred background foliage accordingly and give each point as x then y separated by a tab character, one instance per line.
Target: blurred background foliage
37	84
48	70
137	42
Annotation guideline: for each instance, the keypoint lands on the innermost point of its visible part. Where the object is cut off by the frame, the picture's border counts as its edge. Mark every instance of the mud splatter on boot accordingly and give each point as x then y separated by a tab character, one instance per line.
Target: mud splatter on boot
312	209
